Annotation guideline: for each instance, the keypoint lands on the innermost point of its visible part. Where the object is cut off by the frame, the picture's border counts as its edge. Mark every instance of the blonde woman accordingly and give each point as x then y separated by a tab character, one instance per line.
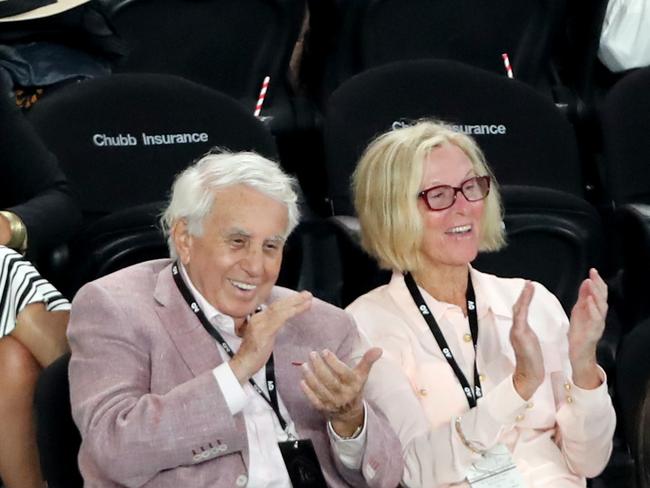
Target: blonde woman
498	383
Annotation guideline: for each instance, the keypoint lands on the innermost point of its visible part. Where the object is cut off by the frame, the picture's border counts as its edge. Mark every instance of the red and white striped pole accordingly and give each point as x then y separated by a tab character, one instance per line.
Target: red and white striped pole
260	99
506	63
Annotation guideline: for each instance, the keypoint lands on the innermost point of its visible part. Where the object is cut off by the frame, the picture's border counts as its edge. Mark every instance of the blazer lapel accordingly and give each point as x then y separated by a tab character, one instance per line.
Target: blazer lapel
293	344
195	345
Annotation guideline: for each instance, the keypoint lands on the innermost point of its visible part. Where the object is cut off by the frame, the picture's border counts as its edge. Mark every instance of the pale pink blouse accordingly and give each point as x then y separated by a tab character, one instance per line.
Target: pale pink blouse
559	437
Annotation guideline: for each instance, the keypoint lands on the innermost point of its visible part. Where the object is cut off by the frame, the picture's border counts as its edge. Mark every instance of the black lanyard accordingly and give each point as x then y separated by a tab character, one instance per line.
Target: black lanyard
472	396
272	400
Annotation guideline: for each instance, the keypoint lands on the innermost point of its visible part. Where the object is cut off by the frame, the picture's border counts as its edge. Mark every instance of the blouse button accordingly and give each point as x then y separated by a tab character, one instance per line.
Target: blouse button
467	338
519	418
423	392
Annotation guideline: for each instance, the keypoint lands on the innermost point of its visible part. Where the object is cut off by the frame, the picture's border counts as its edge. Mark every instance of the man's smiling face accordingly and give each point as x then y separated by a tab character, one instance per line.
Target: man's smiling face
236	260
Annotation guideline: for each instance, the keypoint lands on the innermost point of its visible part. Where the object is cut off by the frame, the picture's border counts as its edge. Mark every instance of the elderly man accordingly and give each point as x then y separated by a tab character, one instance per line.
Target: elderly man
201	372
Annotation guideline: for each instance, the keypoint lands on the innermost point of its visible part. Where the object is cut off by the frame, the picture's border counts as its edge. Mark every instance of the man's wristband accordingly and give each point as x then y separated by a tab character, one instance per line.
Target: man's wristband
18	231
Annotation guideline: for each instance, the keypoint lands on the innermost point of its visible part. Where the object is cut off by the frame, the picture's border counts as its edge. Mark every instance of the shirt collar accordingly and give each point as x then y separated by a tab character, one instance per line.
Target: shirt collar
223	323
438	308
487	298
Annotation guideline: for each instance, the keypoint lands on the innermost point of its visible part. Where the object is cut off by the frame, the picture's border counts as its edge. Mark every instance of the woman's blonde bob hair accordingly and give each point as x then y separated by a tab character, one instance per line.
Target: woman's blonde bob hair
387	181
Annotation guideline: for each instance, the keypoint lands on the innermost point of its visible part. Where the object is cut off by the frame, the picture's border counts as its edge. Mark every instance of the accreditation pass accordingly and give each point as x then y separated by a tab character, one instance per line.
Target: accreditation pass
495	469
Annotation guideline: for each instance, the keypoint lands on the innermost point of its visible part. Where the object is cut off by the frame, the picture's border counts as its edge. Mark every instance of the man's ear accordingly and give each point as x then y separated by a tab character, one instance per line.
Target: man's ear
182	240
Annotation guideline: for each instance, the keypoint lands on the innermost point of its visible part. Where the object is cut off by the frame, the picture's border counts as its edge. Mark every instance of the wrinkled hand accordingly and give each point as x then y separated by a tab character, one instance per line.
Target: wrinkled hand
587	326
336	390
259	334
529	367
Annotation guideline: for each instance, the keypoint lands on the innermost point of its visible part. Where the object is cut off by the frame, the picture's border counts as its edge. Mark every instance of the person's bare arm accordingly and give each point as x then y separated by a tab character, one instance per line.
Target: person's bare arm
42	332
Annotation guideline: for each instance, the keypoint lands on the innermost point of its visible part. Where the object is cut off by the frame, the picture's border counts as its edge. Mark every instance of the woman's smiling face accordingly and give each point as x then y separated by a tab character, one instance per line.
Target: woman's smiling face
451	237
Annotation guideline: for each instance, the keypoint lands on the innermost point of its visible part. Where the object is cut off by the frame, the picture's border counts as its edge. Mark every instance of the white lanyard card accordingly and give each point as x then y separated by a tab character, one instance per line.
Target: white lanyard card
495	469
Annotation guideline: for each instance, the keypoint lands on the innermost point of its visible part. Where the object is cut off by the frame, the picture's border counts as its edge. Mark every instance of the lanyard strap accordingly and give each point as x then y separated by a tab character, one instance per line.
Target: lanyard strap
472	396
272	399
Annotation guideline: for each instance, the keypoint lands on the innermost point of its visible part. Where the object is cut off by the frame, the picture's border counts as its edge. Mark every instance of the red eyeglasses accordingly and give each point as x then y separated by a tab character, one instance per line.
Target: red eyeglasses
441	197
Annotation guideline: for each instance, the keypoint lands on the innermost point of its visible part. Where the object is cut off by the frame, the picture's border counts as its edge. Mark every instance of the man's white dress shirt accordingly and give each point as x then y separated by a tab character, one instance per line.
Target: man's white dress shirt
266	467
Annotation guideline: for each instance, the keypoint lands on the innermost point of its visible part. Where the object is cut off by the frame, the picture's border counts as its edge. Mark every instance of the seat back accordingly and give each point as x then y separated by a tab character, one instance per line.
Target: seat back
625	118
133	235
57	436
121	139
377	32
123	238
360	271
312	261
526	139
228	45
552	237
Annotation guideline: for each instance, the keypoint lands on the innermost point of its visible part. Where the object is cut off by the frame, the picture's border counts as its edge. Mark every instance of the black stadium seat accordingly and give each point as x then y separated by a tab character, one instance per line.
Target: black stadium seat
525	137
121	140
123	238
370	33
553	237
625	119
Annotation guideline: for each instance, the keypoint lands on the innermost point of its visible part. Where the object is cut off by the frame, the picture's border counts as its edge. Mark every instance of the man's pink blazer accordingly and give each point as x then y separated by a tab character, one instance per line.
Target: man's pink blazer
149	409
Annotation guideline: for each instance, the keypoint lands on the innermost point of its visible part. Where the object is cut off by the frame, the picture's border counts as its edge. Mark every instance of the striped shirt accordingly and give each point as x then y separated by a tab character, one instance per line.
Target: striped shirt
20	285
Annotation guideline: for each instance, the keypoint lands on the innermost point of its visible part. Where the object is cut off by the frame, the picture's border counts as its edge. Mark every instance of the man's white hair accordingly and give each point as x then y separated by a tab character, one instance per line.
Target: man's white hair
193	189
